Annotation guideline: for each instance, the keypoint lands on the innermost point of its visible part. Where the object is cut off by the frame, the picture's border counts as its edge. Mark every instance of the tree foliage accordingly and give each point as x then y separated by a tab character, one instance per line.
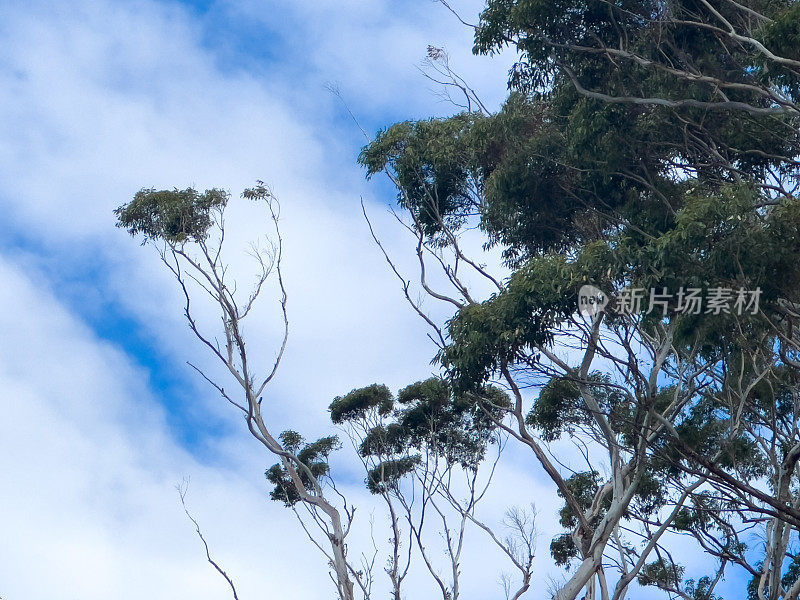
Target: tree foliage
643	145
171	215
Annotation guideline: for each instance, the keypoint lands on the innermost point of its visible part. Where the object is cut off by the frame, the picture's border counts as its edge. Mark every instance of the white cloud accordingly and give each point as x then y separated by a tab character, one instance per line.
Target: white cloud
89	469
101	98
105	98
89	505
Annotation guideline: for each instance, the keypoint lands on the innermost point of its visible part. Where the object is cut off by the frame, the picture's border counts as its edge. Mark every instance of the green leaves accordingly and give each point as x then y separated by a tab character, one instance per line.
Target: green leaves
560	407
662	573
563	549
456	426
388	473
429	419
782	36
355	405
537	298
312	466
720	238
434	165
174	216
583	487
644	145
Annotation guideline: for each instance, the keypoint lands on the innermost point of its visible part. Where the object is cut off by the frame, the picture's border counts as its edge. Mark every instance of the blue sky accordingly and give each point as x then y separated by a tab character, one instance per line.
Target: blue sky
102	417
269	44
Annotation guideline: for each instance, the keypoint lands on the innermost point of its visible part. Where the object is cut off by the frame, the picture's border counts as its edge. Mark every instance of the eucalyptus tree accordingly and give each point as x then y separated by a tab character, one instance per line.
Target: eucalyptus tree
187	229
644	146
430	431
431	454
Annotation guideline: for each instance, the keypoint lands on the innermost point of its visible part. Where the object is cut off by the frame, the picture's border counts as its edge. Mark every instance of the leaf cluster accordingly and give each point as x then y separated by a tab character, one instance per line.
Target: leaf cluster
174	216
312	465
427	418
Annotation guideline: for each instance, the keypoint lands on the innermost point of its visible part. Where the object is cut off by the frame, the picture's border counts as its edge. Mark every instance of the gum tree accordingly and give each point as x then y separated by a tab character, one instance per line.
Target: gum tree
187	229
420	451
644	145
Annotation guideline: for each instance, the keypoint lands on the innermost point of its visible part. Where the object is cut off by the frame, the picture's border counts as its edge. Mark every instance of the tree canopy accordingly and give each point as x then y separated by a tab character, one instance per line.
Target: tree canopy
647	146
652	146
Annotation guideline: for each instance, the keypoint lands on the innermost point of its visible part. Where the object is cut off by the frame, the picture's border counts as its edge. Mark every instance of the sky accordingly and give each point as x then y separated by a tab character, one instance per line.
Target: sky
102	418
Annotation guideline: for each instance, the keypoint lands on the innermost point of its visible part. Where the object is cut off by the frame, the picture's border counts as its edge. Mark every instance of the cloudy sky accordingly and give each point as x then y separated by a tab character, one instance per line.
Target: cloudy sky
101	416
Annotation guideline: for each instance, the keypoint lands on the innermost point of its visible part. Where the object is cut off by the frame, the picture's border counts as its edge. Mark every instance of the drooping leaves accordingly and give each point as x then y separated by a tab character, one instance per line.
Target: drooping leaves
174	216
313	466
